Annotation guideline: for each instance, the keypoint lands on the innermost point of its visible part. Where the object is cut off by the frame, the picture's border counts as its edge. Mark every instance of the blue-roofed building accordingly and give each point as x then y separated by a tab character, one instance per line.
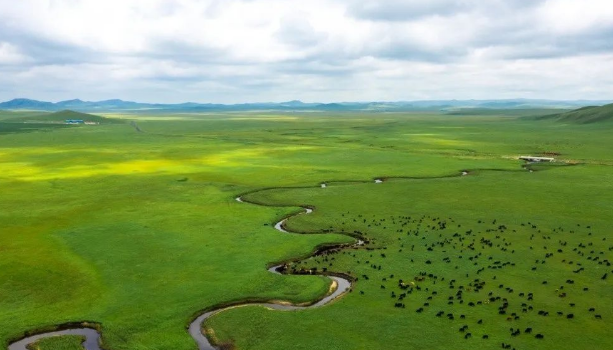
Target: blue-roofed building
74	121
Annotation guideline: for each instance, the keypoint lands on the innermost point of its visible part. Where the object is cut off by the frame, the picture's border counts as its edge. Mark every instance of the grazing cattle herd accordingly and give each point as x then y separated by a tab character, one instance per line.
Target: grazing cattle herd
513	277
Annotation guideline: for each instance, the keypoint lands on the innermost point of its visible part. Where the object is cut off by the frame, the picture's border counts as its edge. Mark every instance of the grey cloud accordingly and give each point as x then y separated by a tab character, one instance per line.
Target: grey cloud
180	51
44	51
508	30
297	31
308	67
525	42
399	10
410	53
408	10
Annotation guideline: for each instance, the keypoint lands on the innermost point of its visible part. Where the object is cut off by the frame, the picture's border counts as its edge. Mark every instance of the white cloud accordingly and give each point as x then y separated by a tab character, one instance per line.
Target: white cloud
573	17
326	50
10	54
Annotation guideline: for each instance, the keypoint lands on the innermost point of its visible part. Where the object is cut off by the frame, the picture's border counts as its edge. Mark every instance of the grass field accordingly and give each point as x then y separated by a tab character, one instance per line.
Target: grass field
69	342
139	231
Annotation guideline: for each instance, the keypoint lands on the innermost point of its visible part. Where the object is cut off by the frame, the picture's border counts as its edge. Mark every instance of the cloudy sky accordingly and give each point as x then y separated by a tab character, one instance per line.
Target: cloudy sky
314	50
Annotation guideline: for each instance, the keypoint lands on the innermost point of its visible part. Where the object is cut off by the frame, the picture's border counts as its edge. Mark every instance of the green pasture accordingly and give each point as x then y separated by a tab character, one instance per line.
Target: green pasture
139	231
480	203
68	342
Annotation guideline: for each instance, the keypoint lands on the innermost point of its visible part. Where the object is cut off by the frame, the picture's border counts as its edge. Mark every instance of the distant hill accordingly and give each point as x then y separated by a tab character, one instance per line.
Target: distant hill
75	104
25	103
511	112
62	116
585	115
293	106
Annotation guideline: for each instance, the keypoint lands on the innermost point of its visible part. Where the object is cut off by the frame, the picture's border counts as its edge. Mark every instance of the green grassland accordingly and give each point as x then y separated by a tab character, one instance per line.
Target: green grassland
485	217
139	231
68	342
31	121
58	117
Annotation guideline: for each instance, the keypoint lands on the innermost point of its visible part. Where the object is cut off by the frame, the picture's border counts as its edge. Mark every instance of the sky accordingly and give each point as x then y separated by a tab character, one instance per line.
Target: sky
232	51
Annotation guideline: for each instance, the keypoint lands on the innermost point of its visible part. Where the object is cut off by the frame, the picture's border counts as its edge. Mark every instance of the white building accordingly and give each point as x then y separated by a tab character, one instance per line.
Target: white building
536	159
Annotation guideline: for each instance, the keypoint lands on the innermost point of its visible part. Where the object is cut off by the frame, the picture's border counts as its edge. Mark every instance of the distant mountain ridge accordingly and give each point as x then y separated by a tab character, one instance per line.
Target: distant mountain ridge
24	103
295	105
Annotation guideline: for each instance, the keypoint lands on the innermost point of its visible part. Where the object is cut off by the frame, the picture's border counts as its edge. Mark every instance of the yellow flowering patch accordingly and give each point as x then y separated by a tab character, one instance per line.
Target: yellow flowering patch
35	171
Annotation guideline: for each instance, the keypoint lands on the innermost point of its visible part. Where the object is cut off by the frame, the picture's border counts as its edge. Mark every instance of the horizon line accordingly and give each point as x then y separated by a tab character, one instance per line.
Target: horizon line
314	102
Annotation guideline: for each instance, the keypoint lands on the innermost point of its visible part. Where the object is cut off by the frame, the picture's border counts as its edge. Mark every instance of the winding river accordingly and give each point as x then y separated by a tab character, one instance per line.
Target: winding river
340	285
92	338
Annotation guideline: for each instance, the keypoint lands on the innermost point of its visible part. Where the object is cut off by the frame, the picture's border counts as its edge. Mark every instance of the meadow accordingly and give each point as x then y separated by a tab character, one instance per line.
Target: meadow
139	231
